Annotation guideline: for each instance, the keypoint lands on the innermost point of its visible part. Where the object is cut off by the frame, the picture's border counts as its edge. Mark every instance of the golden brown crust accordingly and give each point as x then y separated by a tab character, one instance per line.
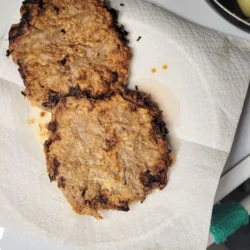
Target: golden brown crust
107	153
64	44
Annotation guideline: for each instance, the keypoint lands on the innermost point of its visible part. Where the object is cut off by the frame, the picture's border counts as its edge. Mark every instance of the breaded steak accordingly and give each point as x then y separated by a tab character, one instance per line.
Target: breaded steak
64	45
107	153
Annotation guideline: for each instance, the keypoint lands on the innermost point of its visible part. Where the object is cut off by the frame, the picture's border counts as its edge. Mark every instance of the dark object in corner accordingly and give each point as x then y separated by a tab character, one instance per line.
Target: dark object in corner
233	6
240	240
230	10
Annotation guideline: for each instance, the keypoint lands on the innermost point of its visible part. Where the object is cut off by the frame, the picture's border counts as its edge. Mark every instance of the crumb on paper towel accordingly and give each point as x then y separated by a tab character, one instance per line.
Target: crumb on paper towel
39	123
8	53
122	4
138	39
164	66
153	70
172	158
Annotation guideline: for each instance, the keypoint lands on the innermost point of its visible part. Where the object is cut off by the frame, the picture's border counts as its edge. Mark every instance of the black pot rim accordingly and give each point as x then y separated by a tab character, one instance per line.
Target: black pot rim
229	16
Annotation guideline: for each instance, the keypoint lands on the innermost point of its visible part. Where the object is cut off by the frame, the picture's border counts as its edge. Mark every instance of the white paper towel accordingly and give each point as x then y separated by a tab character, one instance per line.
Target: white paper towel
205	84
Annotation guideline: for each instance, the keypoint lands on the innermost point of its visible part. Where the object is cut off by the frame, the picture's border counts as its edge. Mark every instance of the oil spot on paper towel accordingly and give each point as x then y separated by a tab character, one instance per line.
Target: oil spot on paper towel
164	66
167	102
164	97
39	122
43	113
31	121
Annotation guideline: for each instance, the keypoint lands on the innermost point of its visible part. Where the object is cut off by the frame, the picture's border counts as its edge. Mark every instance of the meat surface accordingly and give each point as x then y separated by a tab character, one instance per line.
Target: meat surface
64	46
107	153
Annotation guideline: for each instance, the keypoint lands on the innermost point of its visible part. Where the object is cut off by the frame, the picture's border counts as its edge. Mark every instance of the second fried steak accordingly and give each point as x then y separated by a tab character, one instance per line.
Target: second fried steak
64	46
108	153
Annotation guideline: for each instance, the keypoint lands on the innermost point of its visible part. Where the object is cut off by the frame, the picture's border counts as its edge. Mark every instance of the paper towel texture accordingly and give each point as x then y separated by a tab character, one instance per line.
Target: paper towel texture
205	83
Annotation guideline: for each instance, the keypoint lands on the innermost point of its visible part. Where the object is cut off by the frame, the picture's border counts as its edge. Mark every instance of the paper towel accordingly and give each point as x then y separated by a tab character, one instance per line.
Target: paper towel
205	83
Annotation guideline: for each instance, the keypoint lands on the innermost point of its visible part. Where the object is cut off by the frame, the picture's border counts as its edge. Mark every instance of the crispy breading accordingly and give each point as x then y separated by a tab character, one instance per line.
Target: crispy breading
107	153
64	45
